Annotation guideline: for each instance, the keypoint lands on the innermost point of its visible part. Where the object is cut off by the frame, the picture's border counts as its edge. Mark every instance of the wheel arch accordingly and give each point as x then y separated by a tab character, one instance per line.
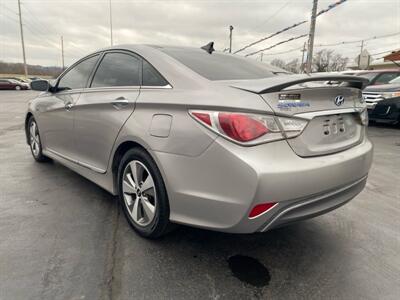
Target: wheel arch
120	152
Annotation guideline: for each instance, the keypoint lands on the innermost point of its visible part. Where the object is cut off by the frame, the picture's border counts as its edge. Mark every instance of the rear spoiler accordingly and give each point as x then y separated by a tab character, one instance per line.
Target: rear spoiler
278	83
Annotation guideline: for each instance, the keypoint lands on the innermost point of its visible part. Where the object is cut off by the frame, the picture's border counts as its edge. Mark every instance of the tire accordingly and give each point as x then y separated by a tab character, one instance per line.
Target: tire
34	141
17	88
142	194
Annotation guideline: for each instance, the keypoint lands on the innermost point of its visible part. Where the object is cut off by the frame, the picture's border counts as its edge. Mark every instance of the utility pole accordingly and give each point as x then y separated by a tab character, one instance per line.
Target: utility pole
22	39
62	52
311	37
262	54
111	28
302	57
230	38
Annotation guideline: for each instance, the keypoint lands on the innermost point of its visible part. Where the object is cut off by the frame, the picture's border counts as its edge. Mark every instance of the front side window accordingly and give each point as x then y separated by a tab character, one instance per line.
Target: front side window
151	77
77	77
117	69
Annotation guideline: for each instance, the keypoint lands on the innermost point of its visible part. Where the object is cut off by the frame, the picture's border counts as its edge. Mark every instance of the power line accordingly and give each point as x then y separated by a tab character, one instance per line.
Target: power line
11	18
270	36
273	15
284	52
358	41
277	44
331	6
10	10
335	44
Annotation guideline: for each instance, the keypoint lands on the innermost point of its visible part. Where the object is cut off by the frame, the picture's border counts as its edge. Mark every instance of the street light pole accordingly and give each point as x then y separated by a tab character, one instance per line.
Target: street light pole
311	37
22	39
361	50
111	27
230	38
62	52
302	58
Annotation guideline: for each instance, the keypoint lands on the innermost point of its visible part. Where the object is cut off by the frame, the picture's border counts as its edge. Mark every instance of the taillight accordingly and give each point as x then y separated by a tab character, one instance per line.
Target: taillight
241	127
249	129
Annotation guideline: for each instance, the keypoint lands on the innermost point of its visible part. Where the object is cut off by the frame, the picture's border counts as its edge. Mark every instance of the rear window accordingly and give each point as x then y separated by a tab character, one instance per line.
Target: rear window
218	66
369	76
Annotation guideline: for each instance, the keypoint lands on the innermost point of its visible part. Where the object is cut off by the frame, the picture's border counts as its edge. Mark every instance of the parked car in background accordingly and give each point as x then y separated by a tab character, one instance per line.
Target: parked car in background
375	77
378	77
375	93
24	80
386	111
12	84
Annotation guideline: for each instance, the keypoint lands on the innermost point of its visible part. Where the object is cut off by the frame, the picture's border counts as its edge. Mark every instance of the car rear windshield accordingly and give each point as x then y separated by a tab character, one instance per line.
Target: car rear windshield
369	76
219	66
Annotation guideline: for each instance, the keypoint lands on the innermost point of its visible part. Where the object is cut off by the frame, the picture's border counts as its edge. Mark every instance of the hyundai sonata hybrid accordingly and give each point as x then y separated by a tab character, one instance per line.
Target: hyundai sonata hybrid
199	137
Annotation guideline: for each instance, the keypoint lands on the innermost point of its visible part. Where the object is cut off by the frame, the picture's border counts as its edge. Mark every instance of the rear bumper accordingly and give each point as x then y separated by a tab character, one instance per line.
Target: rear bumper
217	189
313	206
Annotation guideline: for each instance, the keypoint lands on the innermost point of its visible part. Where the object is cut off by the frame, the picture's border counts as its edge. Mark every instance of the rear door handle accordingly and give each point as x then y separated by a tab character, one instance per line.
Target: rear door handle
68	106
120	101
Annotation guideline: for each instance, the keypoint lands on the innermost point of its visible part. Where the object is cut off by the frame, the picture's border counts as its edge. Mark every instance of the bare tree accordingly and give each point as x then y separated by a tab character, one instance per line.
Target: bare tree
291	66
278	63
328	61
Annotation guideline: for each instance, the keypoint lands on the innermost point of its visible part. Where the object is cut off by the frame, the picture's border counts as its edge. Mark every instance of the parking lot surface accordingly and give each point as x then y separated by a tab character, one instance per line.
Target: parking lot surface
62	237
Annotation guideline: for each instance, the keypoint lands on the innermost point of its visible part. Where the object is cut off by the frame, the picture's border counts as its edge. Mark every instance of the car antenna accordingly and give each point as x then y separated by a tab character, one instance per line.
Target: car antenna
209	47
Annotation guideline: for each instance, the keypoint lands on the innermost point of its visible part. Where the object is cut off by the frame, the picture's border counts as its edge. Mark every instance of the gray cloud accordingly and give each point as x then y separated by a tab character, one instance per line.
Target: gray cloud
85	25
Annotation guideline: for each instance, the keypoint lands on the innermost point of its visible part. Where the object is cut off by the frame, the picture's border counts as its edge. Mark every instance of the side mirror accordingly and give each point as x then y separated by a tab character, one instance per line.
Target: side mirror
40	85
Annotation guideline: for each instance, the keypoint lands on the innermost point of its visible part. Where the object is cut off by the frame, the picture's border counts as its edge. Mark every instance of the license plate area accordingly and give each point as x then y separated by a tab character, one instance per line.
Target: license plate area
328	134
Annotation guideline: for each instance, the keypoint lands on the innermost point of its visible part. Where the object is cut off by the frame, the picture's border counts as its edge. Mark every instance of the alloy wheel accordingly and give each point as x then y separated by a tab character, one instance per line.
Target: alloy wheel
139	193
34	139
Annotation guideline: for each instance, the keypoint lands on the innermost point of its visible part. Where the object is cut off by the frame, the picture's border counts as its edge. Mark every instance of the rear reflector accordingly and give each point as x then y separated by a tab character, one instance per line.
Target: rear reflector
259	209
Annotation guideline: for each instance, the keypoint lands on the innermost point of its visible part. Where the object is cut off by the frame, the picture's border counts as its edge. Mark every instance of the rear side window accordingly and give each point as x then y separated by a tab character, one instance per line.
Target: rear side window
218	66
77	77
117	69
151	77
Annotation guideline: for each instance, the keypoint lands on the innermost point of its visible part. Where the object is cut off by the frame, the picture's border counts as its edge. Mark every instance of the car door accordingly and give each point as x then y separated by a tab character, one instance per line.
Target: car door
56	110
104	106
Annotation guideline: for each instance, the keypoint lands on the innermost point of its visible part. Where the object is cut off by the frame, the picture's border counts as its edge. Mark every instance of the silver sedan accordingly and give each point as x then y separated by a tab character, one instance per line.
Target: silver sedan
197	137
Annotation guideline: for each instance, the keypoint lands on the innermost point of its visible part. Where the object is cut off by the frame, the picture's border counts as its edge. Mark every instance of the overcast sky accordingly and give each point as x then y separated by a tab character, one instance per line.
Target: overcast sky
85	26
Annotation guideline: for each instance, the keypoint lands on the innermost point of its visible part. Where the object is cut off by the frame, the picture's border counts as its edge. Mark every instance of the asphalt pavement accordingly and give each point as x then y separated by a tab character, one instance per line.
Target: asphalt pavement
62	237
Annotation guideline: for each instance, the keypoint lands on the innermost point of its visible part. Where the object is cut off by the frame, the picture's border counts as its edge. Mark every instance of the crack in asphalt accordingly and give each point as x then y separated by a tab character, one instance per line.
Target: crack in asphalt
107	292
3	131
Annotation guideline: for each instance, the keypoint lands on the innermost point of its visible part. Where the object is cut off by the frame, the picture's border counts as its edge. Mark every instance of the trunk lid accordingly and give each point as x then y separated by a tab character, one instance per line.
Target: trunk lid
333	112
